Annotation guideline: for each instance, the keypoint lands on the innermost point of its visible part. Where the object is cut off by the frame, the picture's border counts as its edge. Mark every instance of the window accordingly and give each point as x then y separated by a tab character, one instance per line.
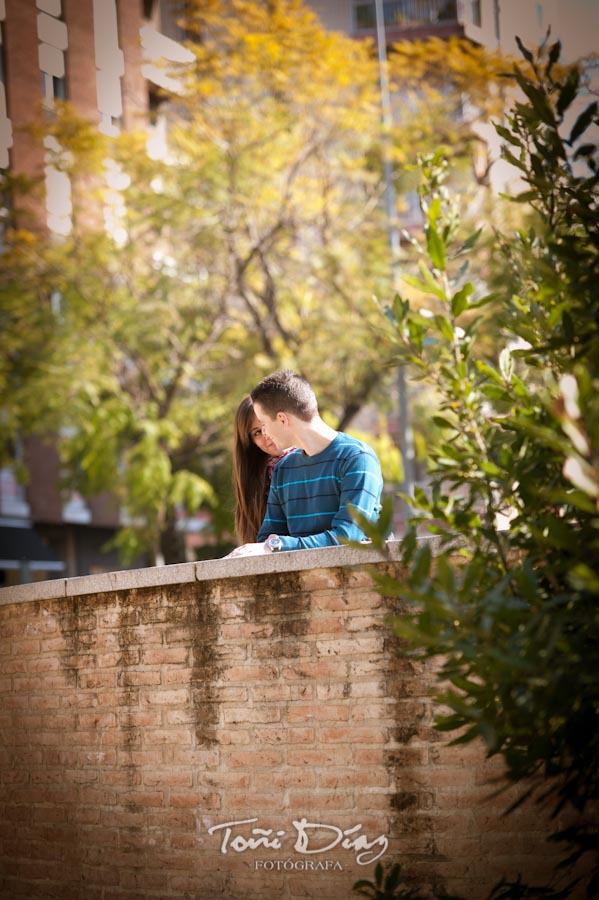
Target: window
404	13
5	214
13	498
53	88
5	123
364	16
476	13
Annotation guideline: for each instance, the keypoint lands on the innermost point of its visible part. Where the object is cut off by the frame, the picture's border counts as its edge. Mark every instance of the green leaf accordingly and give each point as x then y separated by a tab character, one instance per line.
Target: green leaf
434	211
484	301
524	51
539	101
585	150
436	248
469	242
507	135
506	364
526	196
445	327
442	422
459	301
519	163
568	92
495	392
582	122
422	564
583	578
554	55
427	284
487	370
489	468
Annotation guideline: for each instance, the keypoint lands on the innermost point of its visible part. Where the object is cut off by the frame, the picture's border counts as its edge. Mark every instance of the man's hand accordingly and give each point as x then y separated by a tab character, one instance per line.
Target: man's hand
248	550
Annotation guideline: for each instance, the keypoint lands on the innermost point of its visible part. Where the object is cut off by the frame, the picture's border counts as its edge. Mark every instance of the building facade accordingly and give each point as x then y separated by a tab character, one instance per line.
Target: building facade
404	19
490	23
100	56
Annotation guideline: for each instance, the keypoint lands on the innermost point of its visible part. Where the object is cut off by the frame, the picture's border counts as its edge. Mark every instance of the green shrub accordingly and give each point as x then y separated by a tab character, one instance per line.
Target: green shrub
509	605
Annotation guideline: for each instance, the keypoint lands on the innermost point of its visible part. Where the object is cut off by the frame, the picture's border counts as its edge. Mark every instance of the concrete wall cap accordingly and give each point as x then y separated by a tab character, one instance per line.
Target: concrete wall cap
208	570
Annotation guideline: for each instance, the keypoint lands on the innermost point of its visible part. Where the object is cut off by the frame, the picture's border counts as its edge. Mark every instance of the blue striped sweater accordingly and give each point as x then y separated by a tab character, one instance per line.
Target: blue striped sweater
309	498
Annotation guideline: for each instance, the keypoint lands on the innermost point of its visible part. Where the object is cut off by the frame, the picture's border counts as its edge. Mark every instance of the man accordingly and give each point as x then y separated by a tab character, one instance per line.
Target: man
314	486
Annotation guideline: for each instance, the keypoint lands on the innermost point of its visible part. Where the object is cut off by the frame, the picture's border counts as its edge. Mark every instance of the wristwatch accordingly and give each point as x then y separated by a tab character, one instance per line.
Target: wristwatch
274	543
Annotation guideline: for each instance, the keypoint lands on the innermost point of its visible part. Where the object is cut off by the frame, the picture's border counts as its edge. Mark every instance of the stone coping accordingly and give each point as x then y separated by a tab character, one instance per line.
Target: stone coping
207	570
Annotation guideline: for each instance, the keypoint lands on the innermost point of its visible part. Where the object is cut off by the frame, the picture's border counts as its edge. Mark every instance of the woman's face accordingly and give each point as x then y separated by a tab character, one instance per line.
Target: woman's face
261	440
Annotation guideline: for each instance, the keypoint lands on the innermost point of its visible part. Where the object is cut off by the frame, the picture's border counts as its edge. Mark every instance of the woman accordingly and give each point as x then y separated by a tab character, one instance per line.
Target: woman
254	457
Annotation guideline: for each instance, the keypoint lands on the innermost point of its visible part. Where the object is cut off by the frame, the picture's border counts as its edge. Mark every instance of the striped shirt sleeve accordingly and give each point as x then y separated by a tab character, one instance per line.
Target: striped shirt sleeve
311	499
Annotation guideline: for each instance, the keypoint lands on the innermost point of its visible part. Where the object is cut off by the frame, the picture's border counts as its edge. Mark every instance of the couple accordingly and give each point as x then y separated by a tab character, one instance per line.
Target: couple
318	473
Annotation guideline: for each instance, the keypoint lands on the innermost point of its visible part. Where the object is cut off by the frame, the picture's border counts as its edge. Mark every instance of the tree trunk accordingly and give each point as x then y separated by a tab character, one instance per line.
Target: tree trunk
172	545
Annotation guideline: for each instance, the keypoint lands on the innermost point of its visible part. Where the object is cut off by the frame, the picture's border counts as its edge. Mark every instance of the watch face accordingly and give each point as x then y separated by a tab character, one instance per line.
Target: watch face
274	542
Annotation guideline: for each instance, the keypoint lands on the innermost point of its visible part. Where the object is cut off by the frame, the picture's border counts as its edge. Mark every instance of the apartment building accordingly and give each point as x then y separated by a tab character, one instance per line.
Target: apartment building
404	19
491	23
100	56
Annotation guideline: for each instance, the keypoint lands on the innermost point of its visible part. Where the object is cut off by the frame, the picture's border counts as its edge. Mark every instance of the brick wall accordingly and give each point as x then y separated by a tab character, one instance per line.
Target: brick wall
23	89
142	713
81	57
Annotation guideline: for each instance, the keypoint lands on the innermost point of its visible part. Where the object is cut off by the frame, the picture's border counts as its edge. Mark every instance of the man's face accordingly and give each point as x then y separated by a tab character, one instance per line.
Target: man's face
276	429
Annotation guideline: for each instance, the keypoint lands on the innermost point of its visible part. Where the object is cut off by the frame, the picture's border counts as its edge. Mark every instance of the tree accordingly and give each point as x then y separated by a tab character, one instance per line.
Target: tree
255	243
217	268
509	605
446	91
279	118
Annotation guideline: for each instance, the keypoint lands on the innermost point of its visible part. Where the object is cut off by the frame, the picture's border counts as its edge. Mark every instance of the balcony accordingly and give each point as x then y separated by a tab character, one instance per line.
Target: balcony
408	19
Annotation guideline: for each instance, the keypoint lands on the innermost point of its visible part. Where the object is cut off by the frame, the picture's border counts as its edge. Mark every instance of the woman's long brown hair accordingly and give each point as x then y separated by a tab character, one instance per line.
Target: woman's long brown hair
249	475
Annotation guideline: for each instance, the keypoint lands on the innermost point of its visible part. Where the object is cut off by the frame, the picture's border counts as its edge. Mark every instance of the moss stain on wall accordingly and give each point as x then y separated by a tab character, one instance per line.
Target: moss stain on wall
203	622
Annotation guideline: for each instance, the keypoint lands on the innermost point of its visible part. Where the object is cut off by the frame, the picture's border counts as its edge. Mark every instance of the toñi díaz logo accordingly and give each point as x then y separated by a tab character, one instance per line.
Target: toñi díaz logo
309	838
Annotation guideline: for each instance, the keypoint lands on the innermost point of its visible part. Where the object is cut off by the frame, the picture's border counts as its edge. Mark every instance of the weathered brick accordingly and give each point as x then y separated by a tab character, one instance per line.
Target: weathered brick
319	579
348	648
252	759
123	777
194	799
178	736
243	630
320	757
97	720
320	712
130	678
351	735
138	718
248	714
165	697
142	798
157	656
321	670
354	779
251	673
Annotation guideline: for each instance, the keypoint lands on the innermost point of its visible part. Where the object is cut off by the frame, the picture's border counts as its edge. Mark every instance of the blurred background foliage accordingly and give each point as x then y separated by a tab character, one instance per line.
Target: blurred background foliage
257	241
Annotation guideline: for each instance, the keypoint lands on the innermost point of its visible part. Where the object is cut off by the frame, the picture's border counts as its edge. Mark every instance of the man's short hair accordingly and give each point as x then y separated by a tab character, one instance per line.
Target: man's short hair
286	392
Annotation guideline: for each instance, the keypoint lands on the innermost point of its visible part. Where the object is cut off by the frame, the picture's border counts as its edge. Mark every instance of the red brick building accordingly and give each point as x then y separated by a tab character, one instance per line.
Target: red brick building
93	53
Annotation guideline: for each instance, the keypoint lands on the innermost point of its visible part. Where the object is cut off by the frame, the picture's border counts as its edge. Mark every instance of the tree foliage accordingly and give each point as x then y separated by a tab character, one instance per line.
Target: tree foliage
446	90
254	242
509	605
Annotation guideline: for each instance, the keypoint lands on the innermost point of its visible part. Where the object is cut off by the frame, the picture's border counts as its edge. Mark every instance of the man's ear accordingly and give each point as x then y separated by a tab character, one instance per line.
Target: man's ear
283	418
